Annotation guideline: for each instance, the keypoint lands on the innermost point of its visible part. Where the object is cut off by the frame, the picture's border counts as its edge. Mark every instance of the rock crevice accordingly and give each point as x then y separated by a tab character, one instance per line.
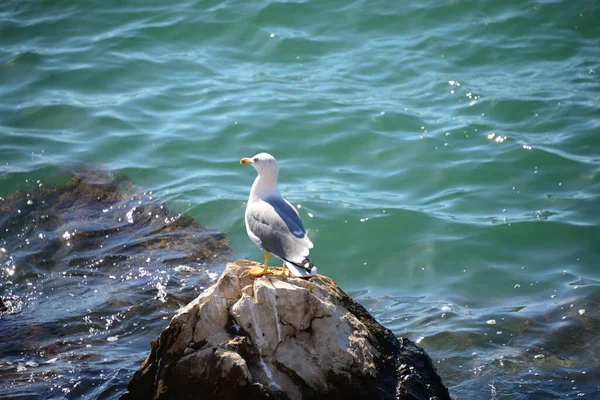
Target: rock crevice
281	338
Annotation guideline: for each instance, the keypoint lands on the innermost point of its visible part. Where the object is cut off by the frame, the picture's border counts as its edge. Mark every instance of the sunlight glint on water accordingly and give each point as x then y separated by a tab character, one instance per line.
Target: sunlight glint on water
445	157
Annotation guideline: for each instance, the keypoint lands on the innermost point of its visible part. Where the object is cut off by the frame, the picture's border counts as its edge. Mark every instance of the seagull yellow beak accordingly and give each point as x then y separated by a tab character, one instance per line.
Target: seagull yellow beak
245	161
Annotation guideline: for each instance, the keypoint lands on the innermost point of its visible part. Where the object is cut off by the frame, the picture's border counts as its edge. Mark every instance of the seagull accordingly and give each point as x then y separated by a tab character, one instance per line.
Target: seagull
273	223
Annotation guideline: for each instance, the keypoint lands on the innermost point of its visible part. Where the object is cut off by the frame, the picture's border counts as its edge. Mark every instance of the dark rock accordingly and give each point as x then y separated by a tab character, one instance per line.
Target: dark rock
84	263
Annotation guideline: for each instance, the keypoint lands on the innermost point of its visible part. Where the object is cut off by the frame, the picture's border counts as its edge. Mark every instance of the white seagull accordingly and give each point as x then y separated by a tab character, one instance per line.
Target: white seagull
273	223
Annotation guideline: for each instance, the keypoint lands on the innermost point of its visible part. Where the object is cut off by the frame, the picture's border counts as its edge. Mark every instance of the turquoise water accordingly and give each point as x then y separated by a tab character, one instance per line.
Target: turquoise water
445	154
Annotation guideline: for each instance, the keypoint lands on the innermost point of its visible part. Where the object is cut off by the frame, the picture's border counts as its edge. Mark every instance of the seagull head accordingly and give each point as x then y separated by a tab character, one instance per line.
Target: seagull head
264	163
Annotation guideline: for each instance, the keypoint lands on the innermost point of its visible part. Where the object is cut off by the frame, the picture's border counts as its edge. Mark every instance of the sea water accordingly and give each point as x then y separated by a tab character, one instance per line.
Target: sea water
444	157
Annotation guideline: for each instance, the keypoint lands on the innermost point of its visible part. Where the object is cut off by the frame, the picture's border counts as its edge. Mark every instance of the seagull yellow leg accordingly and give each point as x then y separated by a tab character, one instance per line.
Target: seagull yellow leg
258	271
286	271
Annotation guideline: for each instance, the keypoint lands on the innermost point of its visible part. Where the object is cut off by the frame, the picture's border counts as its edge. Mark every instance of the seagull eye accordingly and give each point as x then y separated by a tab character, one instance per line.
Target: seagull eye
255	159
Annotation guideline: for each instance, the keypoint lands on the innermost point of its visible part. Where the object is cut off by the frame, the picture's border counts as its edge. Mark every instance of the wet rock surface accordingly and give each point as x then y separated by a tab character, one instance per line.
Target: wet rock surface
90	271
281	337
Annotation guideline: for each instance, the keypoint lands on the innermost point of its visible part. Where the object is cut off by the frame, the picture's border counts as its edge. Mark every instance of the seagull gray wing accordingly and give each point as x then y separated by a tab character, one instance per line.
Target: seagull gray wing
279	228
288	214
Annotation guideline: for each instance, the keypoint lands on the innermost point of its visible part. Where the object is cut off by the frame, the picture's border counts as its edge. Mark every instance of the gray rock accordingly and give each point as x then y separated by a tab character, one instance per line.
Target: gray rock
280	337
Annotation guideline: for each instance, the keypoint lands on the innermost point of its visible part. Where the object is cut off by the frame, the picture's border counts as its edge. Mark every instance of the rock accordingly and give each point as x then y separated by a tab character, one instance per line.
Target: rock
281	338
93	249
95	216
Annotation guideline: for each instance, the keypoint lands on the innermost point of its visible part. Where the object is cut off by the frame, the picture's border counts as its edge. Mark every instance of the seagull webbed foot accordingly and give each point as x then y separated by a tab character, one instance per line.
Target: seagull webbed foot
258	271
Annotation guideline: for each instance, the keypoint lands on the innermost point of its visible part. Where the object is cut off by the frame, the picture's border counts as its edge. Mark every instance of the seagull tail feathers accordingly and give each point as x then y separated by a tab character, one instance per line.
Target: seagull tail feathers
305	269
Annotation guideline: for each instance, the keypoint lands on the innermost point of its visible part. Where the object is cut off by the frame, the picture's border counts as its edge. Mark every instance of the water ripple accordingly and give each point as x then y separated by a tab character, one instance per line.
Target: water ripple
444	155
